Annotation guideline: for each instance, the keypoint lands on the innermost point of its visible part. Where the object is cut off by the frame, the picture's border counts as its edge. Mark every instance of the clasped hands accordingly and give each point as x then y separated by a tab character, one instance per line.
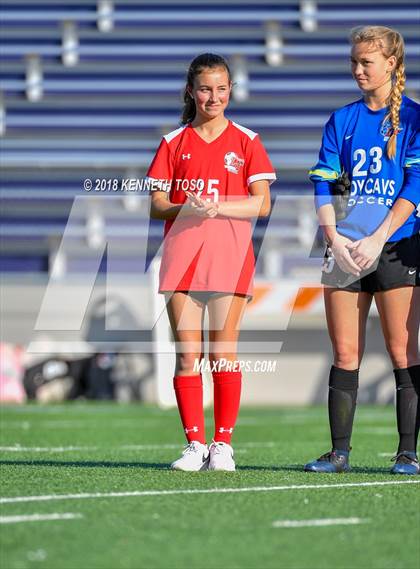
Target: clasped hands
201	207
357	256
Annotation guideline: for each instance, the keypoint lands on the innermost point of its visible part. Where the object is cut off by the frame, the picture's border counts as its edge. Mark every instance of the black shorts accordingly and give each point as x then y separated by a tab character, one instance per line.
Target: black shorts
398	265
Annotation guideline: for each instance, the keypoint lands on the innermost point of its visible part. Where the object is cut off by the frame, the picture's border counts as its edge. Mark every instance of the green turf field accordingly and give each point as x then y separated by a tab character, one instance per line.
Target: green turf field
102	470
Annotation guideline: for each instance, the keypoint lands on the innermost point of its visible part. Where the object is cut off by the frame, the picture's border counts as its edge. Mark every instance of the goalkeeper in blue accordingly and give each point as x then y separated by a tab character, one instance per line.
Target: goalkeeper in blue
367	194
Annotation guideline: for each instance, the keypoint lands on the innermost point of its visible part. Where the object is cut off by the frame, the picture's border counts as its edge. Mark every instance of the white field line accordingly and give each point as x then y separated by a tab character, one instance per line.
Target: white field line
44	449
153	420
49	497
79	424
390	454
38	518
375	419
319	523
376	430
17	448
152	423
50	409
310	415
62	424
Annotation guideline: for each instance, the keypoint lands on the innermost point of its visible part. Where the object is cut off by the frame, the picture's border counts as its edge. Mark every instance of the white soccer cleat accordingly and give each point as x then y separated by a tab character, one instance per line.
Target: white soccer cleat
195	457
221	457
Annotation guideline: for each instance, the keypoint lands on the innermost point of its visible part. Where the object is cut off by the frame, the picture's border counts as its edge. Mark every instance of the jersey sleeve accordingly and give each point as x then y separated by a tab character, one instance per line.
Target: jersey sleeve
258	164
411	185
328	167
161	170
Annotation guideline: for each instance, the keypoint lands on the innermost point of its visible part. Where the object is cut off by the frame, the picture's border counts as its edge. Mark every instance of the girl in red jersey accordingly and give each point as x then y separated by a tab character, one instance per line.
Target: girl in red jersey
211	176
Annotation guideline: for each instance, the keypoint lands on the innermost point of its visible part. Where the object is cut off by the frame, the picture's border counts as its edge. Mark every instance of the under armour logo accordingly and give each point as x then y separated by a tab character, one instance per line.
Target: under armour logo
193	430
222	430
186	156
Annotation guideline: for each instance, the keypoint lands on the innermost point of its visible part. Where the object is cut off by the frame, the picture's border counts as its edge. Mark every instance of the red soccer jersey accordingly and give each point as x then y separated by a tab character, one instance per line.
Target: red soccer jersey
209	254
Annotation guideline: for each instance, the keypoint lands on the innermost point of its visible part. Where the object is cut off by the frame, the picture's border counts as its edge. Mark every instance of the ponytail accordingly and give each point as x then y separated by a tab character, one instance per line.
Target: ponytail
395	99
188	112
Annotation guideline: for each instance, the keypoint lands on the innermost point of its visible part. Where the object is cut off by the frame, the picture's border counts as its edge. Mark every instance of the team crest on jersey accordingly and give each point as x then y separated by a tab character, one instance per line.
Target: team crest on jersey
233	163
387	130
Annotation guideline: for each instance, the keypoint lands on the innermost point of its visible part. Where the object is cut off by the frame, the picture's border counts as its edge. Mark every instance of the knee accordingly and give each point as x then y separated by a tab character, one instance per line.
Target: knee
188	362
401	355
222	357
347	356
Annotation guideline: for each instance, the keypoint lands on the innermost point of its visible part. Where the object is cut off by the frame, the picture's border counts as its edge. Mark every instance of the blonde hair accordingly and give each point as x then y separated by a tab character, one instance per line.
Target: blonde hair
391	43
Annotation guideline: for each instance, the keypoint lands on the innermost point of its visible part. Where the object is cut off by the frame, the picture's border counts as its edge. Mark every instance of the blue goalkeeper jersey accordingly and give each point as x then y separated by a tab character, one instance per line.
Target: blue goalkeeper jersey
354	141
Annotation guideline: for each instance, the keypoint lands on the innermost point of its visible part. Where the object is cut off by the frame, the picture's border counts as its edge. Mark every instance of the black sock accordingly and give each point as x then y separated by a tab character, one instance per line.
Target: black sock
408	408
342	397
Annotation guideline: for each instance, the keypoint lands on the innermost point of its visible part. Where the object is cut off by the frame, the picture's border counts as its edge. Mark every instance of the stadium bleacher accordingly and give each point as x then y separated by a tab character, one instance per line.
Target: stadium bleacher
88	88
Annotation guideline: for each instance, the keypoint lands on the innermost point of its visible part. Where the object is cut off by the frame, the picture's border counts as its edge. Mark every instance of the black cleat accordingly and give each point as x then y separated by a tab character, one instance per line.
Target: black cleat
406	463
332	462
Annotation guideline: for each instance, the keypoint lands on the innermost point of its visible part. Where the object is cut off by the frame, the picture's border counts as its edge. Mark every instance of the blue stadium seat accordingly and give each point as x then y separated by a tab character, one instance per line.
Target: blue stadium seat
103	114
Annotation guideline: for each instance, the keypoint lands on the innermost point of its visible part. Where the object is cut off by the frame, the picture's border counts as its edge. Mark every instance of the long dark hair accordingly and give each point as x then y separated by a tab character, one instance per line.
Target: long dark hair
201	62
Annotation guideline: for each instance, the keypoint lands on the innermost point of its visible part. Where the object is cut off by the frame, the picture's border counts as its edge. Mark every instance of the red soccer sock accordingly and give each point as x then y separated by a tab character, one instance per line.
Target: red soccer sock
227	395
189	396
